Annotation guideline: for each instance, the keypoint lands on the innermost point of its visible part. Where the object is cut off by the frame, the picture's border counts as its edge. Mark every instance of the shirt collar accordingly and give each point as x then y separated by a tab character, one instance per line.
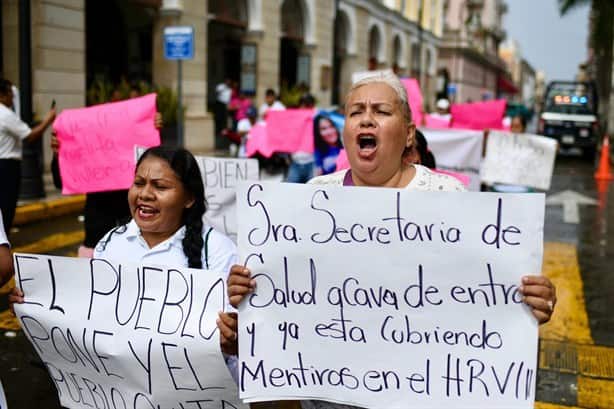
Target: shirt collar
134	233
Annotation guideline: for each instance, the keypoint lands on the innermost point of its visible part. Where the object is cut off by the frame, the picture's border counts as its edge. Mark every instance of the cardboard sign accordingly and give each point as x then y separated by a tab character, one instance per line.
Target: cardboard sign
458	151
221	177
519	159
97	143
388	298
115	334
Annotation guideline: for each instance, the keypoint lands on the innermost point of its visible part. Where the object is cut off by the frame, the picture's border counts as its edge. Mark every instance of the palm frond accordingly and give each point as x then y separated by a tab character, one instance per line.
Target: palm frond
566	5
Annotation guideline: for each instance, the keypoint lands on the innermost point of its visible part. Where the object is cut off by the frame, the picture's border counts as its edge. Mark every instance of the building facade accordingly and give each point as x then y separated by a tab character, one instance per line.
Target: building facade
80	47
468	57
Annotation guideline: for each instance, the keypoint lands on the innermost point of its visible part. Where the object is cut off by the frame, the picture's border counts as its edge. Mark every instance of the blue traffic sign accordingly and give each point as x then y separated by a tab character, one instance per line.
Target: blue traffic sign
179	43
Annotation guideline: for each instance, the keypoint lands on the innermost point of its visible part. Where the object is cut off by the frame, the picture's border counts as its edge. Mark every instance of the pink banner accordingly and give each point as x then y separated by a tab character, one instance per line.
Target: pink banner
257	142
433	122
97	143
288	131
342	160
478	115
414	94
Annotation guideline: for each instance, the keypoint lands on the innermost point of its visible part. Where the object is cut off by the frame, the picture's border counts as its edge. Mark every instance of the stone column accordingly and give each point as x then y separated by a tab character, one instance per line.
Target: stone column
199	126
267	40
58	58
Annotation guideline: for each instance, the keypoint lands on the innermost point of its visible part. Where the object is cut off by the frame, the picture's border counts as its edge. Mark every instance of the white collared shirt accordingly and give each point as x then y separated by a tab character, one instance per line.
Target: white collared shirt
12	131
126	244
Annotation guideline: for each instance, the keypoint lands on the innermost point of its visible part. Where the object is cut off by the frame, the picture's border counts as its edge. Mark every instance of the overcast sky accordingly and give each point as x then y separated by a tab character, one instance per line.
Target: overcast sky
548	41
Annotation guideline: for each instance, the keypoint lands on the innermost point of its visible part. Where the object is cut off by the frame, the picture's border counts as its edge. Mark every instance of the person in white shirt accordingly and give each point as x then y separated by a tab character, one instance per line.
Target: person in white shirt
6	261
167	204
223	92
13	131
270	103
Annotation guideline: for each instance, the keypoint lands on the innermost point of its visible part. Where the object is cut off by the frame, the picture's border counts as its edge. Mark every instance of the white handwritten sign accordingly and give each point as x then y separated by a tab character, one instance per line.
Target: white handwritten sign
220	177
118	335
388	299
519	159
457	150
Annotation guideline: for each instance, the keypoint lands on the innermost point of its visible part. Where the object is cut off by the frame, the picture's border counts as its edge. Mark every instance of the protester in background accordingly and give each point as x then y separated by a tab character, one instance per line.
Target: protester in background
13	131
243	128
270	103
6	261
327	146
239	105
167	204
302	163
103	210
223	92
443	110
518	124
378	135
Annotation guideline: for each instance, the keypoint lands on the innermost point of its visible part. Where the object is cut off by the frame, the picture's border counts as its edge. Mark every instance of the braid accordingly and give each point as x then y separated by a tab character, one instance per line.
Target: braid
193	239
102	245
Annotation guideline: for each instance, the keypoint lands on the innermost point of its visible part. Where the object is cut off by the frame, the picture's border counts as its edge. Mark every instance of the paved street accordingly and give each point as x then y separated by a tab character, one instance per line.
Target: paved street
577	347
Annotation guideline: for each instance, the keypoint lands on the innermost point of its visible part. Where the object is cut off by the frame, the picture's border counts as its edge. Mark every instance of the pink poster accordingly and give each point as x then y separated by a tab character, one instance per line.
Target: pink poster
289	131
257	141
97	143
434	122
342	160
478	115
414	94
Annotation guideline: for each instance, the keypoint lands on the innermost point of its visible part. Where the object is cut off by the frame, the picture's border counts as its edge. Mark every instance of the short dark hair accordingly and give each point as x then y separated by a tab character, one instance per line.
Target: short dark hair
307	100
6	86
523	120
270	93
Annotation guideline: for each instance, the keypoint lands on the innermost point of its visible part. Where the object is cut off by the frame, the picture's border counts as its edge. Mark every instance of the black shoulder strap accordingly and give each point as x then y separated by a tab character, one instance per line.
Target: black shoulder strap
207	247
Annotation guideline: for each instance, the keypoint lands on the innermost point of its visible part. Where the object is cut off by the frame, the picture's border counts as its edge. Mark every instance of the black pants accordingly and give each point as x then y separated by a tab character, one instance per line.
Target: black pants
10	178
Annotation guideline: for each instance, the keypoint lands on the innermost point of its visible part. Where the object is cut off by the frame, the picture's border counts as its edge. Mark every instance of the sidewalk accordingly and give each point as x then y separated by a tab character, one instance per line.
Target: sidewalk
54	204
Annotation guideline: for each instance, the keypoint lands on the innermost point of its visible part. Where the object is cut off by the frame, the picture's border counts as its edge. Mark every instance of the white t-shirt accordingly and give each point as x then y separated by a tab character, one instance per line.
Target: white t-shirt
264	108
127	244
3	238
223	92
424	180
12	131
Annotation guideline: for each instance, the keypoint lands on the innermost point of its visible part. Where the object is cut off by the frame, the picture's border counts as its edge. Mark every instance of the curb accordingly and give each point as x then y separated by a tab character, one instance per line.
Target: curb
37	211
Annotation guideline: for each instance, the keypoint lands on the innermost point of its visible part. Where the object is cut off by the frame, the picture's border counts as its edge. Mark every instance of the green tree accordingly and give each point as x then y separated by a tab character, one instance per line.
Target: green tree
601	41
